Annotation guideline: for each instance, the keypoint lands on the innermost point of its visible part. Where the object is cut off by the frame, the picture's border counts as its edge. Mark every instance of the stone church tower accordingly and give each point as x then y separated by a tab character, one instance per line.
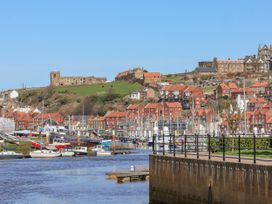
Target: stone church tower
54	78
265	54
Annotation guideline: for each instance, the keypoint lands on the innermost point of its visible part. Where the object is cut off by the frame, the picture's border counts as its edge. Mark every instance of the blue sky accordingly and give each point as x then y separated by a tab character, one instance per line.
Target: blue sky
104	37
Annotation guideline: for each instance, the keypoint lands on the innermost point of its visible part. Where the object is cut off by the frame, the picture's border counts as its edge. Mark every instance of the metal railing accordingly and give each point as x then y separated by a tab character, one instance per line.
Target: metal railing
236	146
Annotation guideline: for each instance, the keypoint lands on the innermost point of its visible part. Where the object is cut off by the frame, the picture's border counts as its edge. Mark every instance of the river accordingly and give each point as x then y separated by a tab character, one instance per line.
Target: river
71	180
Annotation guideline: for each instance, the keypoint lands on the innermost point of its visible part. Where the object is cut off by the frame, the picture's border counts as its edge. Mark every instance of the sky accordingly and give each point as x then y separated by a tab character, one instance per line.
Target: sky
104	37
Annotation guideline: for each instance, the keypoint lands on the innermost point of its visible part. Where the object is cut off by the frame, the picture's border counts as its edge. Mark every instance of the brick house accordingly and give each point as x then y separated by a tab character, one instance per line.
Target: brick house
255	103
261	119
48	118
259	88
172	110
23	121
115	120
240	91
97	123
224	89
186	95
152	78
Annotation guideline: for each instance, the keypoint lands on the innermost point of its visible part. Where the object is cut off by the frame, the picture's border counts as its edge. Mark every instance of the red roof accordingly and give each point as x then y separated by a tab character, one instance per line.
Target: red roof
232	85
57	117
259	84
241	90
152	74
249	114
23	117
173	104
203	111
224	86
115	114
269	119
174	88
257	100
121	74
152	105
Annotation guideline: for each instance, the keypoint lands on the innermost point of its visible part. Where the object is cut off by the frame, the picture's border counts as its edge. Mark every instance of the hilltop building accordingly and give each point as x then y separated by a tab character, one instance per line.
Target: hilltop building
57	80
260	63
131	74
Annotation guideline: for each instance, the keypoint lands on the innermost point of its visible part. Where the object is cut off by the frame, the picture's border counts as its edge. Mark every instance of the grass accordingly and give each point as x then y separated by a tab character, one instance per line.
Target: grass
174	79
117	87
249	153
22	147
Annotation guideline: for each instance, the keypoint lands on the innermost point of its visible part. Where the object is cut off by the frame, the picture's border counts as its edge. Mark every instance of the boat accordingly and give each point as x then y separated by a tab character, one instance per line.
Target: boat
80	150
44	154
100	151
67	152
35	144
59	143
11	155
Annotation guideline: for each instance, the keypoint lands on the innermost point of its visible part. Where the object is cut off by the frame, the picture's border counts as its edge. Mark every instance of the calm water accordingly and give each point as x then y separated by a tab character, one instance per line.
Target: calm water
71	180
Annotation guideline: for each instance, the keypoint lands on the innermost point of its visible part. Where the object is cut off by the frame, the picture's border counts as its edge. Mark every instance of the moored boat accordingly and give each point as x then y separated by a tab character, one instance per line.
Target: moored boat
11	155
59	143
80	150
67	152
44	154
100	151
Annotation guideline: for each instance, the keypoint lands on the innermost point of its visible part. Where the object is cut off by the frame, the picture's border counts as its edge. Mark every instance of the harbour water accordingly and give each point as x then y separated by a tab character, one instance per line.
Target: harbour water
71	180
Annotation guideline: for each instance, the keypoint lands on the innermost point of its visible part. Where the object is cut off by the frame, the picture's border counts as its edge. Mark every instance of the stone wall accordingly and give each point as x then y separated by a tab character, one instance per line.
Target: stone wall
191	181
57	80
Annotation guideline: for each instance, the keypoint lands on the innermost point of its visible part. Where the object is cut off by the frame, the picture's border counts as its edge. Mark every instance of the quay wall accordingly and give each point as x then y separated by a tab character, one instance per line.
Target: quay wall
191	181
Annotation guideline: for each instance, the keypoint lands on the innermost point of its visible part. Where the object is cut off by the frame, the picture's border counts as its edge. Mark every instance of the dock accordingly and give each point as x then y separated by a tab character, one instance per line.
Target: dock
122	152
128	176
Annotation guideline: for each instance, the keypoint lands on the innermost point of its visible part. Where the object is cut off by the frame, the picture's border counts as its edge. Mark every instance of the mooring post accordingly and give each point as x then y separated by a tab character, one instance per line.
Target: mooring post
185	141
209	145
254	147
224	147
239	147
195	143
153	143
197	151
163	148
174	143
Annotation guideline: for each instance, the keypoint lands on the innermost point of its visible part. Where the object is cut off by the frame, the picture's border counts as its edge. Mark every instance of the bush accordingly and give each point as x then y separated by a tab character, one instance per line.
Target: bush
245	143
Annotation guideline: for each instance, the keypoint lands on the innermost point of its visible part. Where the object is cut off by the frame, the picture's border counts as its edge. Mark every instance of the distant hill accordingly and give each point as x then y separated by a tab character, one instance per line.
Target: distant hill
97	98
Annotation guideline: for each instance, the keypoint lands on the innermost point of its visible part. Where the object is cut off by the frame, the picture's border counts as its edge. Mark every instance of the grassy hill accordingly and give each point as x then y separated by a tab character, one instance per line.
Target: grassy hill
97	98
121	88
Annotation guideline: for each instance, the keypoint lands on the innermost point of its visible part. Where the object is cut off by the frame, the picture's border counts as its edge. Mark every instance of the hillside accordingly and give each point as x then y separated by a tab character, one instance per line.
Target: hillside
121	88
96	99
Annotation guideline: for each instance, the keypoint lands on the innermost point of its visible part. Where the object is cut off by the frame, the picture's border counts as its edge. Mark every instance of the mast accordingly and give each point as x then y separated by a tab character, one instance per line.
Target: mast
193	110
245	122
83	116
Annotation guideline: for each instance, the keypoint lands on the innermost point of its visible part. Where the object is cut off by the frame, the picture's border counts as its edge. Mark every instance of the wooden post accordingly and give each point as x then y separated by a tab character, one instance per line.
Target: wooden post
78	140
113	141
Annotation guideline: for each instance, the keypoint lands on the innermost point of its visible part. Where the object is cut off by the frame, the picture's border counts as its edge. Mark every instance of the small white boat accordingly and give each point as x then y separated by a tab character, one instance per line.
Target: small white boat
80	150
100	151
44	154
11	155
67	153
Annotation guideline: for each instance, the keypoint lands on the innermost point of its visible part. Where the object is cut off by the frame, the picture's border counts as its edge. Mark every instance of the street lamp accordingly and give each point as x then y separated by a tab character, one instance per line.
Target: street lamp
155	139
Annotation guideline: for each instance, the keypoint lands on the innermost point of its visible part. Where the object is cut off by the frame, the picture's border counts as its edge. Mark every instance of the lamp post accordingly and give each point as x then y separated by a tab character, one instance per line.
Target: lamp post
155	140
164	132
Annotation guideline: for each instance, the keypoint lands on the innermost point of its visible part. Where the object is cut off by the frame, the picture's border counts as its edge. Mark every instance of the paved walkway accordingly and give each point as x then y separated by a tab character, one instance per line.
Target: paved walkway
228	158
